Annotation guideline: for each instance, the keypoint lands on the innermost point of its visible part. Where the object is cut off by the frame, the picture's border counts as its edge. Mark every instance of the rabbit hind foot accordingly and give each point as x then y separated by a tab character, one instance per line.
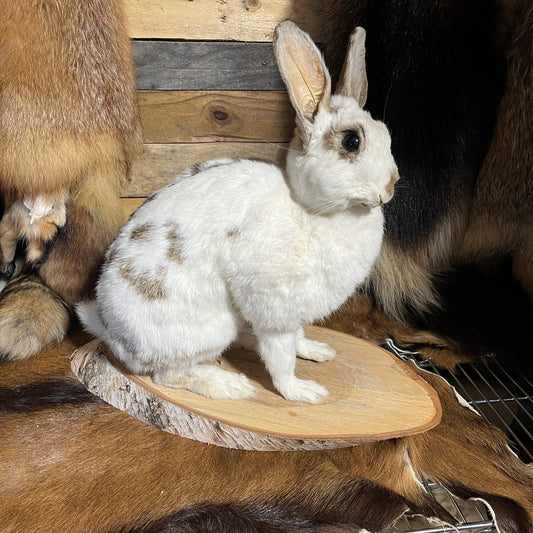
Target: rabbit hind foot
210	381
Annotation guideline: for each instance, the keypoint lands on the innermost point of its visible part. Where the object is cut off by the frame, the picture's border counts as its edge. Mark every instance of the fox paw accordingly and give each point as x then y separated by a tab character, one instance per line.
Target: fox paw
34	220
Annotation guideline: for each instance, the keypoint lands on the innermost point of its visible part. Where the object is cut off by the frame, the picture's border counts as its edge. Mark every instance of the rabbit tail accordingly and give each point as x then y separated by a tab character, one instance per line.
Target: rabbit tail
87	312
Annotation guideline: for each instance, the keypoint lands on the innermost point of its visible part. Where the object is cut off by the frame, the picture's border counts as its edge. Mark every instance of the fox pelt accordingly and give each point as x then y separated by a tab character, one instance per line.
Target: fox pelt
69	129
72	463
452	81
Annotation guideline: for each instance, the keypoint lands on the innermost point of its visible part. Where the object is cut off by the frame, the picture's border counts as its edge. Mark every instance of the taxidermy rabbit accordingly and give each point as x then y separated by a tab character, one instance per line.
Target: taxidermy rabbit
69	129
240	245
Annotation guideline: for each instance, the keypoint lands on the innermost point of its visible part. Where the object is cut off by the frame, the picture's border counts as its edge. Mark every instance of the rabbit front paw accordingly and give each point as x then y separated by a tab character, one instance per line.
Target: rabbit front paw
300	390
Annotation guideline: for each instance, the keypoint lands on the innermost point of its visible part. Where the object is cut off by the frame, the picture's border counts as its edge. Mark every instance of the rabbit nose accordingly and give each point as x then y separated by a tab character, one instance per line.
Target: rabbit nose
389	189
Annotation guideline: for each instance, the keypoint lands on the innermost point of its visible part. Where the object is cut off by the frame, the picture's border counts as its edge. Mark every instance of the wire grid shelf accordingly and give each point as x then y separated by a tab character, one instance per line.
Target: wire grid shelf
504	396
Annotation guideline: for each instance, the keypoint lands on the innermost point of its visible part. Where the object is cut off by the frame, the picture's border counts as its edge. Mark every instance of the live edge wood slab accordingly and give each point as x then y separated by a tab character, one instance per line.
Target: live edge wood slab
372	396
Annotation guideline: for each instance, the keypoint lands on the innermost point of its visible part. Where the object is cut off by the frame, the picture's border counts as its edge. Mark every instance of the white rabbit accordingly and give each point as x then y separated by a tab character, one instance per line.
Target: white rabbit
243	246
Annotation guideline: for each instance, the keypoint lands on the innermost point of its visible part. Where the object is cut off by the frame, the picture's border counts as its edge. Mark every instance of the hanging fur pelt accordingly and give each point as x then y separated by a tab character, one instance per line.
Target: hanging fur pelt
452	81
71	463
501	219
68	131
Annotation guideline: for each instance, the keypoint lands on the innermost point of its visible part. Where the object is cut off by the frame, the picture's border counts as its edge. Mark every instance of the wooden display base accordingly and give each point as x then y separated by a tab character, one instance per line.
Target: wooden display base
372	396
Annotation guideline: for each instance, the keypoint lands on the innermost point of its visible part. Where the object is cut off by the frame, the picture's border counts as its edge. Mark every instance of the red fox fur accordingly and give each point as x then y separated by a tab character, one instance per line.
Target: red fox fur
68	131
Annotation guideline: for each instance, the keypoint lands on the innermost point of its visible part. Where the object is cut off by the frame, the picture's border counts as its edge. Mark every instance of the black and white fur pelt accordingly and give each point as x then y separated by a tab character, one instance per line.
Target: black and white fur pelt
443	77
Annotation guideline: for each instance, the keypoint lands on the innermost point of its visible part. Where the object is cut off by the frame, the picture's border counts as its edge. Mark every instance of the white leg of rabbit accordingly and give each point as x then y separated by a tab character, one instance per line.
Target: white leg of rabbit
207	380
313	350
278	352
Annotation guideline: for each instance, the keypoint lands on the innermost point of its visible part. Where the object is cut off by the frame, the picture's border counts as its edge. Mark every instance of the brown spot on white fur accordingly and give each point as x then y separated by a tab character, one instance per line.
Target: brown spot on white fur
140	232
150	288
196	168
330	140
333	142
232	232
206	165
175	244
390	186
192	170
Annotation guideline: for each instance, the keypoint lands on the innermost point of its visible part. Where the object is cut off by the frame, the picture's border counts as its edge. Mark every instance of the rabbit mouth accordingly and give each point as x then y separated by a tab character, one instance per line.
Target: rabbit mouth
333	206
365	202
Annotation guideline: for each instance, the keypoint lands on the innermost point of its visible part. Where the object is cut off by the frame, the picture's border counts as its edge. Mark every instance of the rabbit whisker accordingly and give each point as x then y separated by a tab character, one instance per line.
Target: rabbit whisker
282	147
323	207
394	73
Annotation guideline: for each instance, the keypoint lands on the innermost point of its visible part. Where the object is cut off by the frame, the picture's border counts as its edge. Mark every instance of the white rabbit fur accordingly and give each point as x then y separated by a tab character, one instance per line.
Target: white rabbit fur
242	246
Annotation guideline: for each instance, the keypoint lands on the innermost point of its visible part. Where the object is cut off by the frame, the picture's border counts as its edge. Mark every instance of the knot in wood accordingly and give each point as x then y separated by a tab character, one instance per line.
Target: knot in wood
252	5
220	115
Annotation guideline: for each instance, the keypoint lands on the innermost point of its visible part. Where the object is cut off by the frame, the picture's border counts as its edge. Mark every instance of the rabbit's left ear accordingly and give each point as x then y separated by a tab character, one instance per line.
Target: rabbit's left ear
303	70
353	80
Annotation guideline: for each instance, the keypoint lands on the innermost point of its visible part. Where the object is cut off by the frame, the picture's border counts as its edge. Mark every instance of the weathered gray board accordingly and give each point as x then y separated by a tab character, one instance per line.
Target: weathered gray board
205	65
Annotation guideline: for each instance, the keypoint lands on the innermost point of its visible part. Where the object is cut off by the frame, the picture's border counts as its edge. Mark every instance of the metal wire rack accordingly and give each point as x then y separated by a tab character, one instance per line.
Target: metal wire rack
503	395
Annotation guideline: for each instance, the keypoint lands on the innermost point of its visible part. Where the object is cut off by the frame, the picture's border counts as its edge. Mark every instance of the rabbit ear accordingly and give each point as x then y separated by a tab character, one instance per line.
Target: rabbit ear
303	70
353	80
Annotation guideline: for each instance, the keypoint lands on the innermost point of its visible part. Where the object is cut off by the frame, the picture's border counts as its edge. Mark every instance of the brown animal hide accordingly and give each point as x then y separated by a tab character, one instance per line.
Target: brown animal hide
72	463
360	317
68	131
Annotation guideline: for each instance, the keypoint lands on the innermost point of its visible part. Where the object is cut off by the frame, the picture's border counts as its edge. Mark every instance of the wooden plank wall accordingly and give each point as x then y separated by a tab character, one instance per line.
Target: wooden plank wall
208	85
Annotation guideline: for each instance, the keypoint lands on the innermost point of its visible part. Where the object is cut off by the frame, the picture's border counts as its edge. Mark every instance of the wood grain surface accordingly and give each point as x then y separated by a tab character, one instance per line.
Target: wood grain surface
192	65
373	396
160	163
214	116
243	20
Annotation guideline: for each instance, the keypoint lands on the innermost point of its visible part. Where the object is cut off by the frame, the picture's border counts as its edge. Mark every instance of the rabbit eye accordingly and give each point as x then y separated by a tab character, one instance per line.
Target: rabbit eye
351	141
